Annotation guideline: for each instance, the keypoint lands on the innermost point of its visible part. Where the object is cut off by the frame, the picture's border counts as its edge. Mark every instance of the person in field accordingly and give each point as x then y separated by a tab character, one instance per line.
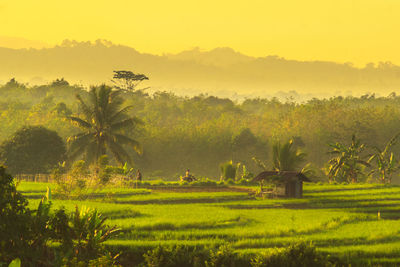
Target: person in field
138	176
188	177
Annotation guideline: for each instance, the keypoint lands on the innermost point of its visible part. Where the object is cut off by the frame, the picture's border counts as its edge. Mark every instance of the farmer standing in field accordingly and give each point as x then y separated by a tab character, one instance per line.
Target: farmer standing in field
138	176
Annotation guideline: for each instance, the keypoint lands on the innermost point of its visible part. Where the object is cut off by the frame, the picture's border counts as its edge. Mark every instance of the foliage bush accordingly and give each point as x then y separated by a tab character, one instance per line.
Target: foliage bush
159	183
228	170
229	181
223	256
300	254
74	183
26	234
204	182
15	218
104	170
182	256
246	174
296	255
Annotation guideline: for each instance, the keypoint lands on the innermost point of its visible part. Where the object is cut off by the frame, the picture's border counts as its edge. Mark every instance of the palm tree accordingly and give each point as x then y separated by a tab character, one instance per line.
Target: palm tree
286	157
386	165
104	124
348	163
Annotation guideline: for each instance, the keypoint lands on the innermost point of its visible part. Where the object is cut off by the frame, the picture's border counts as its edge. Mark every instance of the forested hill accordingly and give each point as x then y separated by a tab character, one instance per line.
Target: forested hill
221	71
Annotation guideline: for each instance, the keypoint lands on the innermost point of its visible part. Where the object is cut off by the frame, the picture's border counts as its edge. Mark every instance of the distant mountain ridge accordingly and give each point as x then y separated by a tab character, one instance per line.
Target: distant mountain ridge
220	57
20	43
219	71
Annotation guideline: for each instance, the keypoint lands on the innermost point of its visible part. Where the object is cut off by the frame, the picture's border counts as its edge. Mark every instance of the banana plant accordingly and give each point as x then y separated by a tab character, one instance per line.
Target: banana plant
260	164
348	162
41	221
386	164
90	230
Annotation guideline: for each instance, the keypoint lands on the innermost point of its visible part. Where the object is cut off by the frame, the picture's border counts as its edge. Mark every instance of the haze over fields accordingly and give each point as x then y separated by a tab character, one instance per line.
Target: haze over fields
220	71
253	48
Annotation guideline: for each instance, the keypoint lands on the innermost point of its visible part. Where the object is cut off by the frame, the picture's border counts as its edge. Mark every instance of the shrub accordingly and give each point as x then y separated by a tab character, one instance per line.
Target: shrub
230	182
26	234
224	256
145	183
297	255
245	173
228	170
15	218
104	171
159	183
182	256
204	182
184	183
244	182
74	182
89	231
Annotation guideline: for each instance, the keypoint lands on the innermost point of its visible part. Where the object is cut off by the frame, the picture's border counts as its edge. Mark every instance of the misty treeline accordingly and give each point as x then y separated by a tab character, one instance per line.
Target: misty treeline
199	133
221	71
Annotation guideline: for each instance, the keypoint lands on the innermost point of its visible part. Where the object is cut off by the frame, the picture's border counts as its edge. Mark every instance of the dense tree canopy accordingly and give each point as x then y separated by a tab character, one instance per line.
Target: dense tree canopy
32	149
201	132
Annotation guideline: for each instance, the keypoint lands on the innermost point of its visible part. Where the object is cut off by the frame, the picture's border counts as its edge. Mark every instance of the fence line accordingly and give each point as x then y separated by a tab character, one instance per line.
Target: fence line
47	178
39	178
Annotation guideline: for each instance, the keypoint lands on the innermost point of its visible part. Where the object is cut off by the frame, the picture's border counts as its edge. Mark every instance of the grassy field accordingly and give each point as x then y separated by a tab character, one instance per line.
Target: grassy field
341	220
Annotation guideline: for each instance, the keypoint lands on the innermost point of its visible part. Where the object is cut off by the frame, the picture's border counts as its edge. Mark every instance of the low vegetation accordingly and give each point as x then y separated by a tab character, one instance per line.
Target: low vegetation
346	223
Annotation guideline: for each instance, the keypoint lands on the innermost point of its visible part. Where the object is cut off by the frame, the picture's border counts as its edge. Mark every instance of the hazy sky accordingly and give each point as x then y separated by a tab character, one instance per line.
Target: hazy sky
339	30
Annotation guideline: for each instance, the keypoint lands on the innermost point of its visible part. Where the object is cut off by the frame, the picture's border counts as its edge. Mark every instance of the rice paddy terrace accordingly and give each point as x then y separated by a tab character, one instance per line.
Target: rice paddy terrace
359	223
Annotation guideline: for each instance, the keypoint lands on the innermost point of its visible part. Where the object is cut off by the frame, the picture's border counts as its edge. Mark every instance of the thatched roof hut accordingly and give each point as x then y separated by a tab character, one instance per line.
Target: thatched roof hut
288	183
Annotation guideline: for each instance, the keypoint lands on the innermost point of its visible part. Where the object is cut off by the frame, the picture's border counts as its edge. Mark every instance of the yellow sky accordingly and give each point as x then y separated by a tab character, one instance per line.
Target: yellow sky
339	30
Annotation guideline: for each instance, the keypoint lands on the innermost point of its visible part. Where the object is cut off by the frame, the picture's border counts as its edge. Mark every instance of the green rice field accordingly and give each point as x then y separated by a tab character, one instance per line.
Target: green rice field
359	223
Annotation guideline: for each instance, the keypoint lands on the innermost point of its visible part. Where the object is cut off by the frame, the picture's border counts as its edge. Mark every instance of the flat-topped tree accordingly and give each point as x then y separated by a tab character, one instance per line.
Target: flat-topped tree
105	123
127	80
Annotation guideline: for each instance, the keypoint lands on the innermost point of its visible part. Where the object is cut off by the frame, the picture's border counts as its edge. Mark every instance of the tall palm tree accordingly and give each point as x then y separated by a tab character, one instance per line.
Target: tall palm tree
104	123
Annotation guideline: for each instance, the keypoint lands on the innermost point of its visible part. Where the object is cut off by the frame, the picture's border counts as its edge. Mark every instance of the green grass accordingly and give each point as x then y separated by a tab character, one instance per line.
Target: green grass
341	220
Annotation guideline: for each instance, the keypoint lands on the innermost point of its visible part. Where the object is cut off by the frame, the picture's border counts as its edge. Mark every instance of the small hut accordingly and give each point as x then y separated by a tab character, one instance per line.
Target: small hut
288	183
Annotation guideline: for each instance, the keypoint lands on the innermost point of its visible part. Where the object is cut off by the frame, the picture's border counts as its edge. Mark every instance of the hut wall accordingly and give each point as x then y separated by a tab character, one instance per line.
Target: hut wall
281	190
